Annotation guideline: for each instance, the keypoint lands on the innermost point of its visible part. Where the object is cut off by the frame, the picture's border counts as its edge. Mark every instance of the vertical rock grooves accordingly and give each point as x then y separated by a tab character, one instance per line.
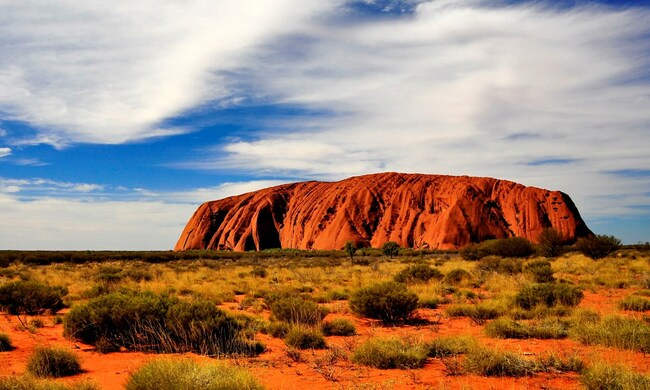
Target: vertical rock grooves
415	210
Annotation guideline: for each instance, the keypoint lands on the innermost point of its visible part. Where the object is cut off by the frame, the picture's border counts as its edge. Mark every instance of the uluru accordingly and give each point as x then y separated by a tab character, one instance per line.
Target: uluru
414	210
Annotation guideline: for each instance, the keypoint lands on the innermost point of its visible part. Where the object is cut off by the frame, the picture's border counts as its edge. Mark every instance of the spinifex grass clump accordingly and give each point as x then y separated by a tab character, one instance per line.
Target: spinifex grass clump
339	327
297	311
634	303
389	302
146	321
391	352
479	313
549	328
487	362
548	294
613	331
451	345
28	382
188	375
305	338
601	376
53	362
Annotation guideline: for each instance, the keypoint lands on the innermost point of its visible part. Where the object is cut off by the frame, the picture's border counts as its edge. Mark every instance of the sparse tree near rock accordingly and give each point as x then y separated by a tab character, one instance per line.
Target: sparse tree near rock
350	248
390	248
550	243
599	246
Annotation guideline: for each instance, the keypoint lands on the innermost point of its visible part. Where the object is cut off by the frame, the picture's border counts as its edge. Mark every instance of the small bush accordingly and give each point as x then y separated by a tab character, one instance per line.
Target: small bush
5	343
53	362
277	329
540	271
602	376
302	338
389	302
478	313
339	327
548	294
150	322
428	303
488	362
472	252
507	266
29	297
451	345
189	375
392	352
512	329
259	272
418	273
613	331
599	246
390	248
297	311
457	276
550	243
634	303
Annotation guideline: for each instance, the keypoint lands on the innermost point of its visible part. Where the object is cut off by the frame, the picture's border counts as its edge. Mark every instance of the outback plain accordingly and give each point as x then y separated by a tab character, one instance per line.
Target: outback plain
501	314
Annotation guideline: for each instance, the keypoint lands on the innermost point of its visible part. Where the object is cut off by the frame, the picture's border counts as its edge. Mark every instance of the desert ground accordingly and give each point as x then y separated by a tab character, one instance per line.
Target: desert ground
471	328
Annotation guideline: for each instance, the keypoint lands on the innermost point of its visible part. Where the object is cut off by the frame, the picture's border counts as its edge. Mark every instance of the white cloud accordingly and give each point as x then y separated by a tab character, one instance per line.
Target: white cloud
5	152
440	92
92	71
151	221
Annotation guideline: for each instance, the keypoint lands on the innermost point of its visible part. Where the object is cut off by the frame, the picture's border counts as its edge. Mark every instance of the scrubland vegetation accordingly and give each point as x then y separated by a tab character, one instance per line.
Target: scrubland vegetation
335	314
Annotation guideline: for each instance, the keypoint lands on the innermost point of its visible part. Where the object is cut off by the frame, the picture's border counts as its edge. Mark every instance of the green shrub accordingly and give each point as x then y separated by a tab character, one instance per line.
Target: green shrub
613	331
511	329
418	273
551	243
29	297
548	294
53	362
389	302
339	327
303	338
634	303
428	303
5	343
499	265
478	313
277	329
506	247
602	376
540	271
30	383
109	274
390	248
297	311
456	276
391	352
186	374
599	246
150	322
451	345
259	272
488	362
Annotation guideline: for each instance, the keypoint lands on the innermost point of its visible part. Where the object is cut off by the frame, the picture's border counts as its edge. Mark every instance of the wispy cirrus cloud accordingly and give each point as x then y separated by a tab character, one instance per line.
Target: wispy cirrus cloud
91	71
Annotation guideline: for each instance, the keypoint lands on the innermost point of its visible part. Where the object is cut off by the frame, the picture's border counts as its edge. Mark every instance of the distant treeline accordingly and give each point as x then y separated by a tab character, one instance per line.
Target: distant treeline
80	257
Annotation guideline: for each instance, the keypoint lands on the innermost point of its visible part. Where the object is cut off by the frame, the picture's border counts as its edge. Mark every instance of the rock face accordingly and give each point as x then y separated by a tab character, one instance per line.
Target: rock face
418	211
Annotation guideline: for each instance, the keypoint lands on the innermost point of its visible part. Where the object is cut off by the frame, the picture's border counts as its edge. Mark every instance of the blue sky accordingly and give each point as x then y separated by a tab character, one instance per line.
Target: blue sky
117	119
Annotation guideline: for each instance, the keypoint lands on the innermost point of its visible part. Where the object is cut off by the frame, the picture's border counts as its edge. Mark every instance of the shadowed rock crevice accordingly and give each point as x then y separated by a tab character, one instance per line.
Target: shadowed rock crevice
422	211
